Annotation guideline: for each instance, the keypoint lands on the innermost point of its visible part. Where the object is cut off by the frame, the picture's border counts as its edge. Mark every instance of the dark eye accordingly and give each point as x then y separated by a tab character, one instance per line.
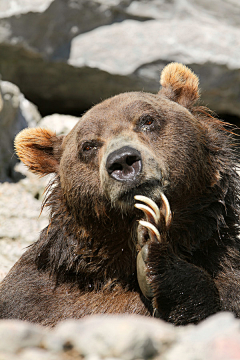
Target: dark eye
88	149
146	122
88	146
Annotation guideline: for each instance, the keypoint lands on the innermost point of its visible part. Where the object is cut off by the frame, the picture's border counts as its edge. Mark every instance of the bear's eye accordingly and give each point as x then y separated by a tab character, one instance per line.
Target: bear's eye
88	146
146	122
88	149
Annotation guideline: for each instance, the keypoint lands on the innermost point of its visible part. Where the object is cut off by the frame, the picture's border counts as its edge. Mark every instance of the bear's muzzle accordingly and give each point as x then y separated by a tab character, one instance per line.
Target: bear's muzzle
124	164
129	168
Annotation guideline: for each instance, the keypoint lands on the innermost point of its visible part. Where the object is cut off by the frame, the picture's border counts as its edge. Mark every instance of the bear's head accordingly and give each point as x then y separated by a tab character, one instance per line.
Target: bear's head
134	143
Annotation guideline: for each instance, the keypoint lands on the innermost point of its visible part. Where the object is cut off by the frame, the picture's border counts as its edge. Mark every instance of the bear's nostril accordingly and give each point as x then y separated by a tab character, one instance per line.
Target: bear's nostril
115	167
124	164
130	160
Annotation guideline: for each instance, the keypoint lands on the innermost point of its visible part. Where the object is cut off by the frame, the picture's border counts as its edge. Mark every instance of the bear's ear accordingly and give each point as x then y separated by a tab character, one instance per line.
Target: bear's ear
179	84
39	149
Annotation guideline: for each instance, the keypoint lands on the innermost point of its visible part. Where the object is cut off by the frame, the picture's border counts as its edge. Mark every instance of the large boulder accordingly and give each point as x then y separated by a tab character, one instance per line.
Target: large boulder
61	124
73	53
16	113
126	337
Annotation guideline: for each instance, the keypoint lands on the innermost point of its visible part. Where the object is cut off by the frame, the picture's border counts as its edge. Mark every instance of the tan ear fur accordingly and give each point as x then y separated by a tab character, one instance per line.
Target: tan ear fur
39	149
180	84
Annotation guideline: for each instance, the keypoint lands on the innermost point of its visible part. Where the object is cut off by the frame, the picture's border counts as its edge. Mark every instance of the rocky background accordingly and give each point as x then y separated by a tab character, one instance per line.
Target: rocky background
57	59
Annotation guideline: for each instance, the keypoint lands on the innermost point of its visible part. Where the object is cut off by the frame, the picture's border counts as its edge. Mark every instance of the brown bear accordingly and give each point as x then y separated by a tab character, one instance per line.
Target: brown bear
175	254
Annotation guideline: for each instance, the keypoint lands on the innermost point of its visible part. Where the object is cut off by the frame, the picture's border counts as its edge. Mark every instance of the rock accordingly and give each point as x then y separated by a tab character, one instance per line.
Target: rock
20	204
61	124
226	12
40	354
30	112
116	337
145	53
20	223
124	337
216	338
67	18
16	113
16	335
110	46
32	183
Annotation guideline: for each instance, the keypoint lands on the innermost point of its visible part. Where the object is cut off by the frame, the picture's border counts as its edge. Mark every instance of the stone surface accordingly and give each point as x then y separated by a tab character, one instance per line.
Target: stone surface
94	49
17	335
116	337
20	203
61	124
20	223
142	44
16	113
217	338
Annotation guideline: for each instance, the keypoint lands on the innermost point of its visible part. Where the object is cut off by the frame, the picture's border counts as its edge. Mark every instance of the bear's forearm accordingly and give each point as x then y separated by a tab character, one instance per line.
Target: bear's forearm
183	293
227	282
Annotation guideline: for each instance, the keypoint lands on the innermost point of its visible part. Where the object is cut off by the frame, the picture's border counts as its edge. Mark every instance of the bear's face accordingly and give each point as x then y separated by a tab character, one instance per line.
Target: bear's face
131	144
134	143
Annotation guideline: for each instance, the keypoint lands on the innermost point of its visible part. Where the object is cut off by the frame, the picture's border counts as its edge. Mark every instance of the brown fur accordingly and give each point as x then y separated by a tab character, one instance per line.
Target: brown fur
180	83
36	149
85	260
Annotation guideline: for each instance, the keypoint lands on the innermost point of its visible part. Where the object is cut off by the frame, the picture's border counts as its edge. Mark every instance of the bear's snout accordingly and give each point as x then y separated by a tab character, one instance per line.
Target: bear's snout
124	164
129	168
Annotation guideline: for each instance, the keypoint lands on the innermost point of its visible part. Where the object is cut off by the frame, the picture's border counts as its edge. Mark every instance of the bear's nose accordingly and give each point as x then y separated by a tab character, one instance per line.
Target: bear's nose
124	164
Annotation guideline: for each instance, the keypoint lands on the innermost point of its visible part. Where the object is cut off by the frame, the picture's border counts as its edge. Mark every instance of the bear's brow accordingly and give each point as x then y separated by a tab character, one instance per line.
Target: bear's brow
130	111
91	129
135	109
138	105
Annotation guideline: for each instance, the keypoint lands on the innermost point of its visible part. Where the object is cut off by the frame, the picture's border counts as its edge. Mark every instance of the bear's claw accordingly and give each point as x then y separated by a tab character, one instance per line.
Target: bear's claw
152	208
153	218
152	230
153	214
166	210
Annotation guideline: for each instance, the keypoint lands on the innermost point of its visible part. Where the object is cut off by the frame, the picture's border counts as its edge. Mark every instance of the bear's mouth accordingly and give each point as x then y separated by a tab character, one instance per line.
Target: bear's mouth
125	197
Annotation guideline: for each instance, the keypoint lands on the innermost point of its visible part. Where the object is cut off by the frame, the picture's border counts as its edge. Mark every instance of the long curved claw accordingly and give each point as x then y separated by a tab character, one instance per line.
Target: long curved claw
151	204
166	210
153	231
150	214
143	281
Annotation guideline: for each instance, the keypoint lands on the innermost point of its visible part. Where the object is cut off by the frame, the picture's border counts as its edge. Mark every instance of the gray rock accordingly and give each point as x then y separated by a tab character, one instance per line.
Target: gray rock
32	183
17	7
142	44
145	53
40	354
20	223
30	112
118	337
202	10
61	124
16	335
124	337
217	337
63	20
93	51
15	114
